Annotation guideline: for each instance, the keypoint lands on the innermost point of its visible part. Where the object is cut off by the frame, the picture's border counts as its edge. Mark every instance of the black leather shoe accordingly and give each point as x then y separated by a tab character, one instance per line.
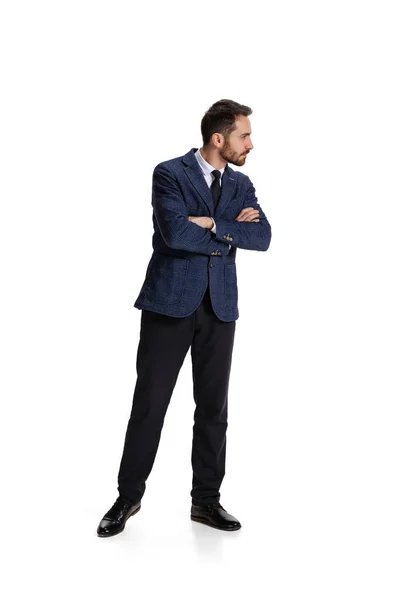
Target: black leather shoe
114	520
214	516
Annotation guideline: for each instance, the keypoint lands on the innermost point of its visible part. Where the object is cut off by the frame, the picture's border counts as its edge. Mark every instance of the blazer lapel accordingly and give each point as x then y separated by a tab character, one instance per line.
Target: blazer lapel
195	174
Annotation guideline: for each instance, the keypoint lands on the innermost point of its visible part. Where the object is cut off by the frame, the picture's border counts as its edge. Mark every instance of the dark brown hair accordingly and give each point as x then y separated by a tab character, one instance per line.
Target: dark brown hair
220	118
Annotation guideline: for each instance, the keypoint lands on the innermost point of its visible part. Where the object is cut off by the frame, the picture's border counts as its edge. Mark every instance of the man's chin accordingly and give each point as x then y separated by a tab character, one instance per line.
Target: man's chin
238	162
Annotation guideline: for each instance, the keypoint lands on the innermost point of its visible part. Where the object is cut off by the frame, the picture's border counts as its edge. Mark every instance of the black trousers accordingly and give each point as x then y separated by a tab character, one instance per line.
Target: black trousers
164	342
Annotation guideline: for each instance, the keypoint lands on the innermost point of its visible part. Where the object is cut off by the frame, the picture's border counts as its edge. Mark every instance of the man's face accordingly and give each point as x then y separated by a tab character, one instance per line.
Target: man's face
237	146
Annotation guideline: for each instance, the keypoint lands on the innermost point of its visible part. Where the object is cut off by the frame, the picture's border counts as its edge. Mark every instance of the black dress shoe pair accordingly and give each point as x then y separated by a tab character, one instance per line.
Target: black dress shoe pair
114	520
214	515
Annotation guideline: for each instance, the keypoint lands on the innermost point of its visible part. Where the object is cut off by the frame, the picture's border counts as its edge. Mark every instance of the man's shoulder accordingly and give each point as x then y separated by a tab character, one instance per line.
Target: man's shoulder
240	177
172	164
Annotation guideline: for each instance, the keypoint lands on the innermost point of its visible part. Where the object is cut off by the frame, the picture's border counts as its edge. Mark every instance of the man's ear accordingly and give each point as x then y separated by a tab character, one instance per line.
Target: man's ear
218	140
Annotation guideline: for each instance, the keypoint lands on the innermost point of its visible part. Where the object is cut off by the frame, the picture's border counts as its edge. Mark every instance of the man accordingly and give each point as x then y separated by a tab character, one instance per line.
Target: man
202	212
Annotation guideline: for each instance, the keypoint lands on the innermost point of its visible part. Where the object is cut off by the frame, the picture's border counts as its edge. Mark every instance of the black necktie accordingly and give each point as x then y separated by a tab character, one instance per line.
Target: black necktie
216	187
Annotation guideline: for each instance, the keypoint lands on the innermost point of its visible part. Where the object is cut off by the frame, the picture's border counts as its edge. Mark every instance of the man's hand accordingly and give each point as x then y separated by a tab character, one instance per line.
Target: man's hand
205	222
248	214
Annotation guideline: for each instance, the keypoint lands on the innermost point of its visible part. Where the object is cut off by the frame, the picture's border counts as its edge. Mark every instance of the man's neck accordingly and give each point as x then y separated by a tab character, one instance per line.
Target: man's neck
213	157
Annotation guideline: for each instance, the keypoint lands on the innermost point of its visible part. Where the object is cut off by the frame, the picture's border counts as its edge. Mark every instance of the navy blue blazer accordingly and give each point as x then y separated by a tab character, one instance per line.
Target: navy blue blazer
187	257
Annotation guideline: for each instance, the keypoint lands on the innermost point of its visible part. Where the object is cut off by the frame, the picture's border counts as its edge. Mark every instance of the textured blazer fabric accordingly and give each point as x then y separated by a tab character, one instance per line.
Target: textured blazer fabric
187	257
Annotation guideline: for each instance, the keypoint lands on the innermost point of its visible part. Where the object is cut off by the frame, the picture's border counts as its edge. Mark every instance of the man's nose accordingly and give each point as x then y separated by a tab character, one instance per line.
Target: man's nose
250	144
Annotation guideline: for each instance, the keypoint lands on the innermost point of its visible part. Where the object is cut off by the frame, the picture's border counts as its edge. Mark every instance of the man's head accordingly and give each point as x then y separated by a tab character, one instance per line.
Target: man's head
225	127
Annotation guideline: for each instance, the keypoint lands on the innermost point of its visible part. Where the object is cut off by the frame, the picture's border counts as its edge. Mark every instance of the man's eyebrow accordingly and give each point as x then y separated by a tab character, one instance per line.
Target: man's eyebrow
246	134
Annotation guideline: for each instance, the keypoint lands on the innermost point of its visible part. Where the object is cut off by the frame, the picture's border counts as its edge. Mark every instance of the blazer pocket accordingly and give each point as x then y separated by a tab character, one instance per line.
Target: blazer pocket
231	289
166	279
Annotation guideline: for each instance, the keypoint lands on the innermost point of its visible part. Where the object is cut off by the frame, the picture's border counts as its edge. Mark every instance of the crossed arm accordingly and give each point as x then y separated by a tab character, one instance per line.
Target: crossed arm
246	214
250	229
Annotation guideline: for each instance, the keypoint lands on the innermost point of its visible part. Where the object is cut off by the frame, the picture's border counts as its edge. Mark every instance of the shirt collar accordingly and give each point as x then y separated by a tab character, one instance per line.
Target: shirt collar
205	166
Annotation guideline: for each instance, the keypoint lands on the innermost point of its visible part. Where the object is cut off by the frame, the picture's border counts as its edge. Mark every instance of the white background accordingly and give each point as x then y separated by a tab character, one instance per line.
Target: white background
94	95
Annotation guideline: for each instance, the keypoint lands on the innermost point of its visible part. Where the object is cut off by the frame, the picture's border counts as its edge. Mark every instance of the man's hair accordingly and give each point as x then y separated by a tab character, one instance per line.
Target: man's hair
220	118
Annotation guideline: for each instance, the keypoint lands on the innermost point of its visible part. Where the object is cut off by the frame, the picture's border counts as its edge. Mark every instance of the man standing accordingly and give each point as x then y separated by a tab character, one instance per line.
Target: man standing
202	212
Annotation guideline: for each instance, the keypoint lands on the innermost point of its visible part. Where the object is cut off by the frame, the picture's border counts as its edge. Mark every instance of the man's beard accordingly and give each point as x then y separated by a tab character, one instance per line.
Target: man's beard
232	157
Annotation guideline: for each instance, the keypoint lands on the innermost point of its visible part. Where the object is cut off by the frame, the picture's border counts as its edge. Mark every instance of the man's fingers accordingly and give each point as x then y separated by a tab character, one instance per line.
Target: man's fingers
247	214
245	211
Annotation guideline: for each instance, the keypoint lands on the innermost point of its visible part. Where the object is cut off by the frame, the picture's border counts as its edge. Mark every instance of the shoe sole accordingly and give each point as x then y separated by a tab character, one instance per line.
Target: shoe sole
205	522
104	535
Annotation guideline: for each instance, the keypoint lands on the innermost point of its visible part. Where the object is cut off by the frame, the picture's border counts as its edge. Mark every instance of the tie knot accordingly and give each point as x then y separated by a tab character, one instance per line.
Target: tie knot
216	173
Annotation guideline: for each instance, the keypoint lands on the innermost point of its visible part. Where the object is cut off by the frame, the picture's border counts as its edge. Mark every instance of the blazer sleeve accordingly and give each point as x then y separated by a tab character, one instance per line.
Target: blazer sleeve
247	235
171	214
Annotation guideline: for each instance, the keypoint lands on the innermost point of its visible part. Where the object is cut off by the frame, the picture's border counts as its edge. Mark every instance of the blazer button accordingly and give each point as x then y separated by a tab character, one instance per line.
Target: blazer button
211	265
